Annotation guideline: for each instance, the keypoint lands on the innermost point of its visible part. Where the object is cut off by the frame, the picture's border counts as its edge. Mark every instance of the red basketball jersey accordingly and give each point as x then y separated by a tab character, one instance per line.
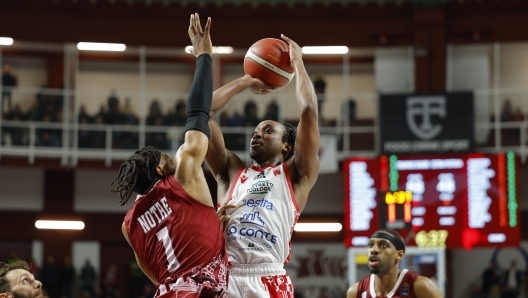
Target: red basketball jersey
178	237
404	287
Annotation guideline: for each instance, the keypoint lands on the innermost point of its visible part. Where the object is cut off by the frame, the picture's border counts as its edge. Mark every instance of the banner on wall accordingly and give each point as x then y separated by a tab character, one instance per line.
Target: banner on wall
426	123
318	270
328	154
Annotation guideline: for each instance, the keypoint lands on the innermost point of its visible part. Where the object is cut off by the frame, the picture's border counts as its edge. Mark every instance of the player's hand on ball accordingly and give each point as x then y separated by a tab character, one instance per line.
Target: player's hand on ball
295	51
222	216
200	39
259	87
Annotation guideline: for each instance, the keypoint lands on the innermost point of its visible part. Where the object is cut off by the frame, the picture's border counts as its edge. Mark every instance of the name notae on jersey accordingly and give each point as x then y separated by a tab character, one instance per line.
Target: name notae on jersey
404	287
174	234
261	225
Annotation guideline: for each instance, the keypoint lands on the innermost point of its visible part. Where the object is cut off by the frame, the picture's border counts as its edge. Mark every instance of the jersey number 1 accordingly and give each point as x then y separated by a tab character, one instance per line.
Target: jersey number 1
163	236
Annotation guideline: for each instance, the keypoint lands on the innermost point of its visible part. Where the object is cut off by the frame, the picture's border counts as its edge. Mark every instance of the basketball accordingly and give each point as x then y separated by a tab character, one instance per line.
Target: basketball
266	61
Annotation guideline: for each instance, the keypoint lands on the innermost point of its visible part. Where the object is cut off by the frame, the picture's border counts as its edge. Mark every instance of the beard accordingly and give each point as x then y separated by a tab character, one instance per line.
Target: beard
372	270
17	295
255	155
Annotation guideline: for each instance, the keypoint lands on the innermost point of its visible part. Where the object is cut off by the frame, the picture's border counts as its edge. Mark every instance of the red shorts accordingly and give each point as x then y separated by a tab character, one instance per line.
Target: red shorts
190	284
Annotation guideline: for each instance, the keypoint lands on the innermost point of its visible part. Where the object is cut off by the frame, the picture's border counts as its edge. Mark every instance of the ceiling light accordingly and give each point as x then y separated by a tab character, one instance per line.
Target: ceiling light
95	46
325	50
216	50
59	224
6	41
318	227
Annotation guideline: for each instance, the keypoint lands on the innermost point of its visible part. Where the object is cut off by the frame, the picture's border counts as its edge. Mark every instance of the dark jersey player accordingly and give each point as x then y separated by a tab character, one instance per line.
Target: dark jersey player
172	226
385	251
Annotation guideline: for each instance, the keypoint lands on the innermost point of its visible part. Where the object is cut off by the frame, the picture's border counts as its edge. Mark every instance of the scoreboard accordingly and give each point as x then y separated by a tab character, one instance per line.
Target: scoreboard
450	201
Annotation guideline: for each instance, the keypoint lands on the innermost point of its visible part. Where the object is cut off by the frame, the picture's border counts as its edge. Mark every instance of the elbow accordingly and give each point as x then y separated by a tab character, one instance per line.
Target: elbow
310	109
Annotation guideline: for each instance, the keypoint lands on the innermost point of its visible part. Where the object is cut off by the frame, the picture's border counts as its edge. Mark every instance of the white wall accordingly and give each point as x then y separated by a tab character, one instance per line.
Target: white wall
30	72
92	192
86	250
394	70
514	73
21	189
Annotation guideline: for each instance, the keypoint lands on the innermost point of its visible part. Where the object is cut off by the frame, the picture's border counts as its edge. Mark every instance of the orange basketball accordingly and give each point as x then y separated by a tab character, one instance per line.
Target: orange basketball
267	61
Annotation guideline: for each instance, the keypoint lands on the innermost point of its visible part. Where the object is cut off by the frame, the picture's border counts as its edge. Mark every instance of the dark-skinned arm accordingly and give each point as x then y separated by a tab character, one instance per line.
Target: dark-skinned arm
306	157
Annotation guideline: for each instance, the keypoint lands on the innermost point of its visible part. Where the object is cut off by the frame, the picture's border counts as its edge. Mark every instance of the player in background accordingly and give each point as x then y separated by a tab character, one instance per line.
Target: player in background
269	195
385	251
173	227
17	282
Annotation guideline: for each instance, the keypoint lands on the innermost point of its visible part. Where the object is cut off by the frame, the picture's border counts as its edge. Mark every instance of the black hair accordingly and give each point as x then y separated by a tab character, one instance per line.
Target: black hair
394	234
289	137
137	173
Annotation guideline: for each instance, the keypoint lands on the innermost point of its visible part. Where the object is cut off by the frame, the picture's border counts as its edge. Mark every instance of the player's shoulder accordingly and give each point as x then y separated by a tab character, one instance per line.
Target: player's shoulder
425	287
353	290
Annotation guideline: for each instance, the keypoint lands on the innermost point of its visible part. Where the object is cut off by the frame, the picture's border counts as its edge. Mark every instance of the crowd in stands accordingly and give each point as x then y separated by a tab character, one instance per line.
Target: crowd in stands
497	283
48	108
62	280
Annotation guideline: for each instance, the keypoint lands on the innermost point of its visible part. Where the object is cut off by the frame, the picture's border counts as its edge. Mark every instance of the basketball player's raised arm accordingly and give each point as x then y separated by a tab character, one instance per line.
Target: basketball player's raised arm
426	288
352	291
190	156
307	142
217	155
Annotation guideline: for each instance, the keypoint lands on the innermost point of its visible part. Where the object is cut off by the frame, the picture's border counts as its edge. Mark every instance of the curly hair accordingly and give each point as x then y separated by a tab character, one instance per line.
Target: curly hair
289	137
137	173
5	268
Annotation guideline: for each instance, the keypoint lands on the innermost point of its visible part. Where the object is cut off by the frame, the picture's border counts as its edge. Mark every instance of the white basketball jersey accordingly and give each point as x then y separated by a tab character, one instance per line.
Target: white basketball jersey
261	225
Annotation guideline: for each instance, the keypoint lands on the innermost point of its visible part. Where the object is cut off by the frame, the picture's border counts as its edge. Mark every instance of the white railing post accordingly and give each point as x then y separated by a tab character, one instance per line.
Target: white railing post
142	95
496	95
32	141
66	104
346	91
75	145
108	146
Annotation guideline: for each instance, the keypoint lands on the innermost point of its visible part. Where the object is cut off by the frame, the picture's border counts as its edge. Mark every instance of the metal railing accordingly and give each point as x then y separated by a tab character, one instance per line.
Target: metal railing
67	140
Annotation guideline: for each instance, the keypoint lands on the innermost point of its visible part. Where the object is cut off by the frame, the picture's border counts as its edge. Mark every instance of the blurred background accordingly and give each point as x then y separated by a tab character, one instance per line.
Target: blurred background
422	117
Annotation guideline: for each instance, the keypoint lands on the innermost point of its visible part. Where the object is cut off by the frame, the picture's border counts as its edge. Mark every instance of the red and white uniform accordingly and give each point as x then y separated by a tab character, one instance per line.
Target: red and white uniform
404	287
180	239
258	235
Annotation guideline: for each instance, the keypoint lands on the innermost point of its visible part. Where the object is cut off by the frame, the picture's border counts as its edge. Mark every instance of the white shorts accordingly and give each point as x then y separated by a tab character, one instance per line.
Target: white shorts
259	281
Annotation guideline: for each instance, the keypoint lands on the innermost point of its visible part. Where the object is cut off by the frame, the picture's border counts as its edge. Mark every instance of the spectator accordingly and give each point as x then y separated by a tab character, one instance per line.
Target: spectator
66	277
8	82
15	134
137	279
250	114
272	111
110	281
180	117
507	111
351	109
113	114
490	277
83	115
128	113
48	276
88	278
236	120
476	292
320	88
512	281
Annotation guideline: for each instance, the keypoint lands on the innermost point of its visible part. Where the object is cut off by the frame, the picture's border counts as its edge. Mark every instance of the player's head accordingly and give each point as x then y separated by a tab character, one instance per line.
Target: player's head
140	171
385	250
15	279
271	139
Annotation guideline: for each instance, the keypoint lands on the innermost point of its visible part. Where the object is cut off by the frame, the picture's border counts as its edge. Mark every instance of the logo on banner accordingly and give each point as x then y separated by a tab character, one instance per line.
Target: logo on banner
424	107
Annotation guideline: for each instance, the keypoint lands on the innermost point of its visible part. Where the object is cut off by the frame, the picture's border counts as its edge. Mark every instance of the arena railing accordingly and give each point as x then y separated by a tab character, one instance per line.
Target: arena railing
354	137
